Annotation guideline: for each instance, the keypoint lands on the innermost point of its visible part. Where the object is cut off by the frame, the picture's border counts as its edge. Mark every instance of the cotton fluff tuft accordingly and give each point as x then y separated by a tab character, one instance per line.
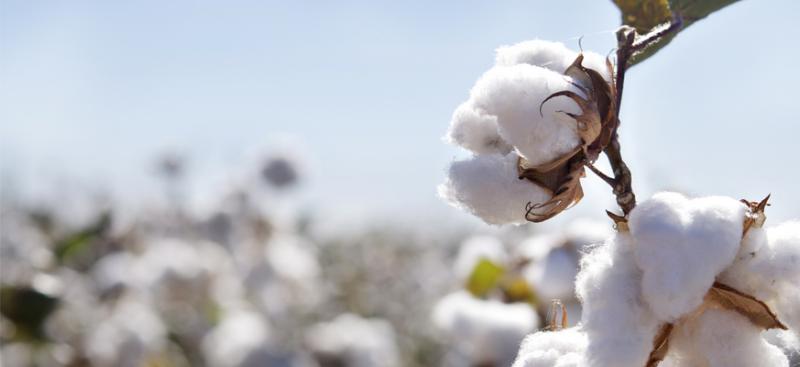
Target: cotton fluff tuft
768	267
619	326
550	55
721	338
475	130
484	331
681	246
514	94
563	348
488	187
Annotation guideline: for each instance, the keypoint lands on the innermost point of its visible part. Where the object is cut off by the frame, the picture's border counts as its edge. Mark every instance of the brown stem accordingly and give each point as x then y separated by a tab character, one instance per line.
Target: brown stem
627	47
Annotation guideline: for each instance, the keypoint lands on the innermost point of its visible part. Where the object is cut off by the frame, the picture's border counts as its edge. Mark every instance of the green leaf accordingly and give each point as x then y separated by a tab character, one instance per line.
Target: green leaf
644	15
484	277
79	241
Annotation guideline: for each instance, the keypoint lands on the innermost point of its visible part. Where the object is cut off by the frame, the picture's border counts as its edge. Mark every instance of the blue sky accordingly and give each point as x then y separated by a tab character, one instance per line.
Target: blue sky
92	91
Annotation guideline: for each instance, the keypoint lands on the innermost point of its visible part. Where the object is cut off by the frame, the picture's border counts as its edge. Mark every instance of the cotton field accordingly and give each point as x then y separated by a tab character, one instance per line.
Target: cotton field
399	184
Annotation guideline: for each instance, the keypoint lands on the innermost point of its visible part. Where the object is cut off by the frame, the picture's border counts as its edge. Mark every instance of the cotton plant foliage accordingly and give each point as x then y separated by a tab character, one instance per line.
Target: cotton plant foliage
528	122
683	276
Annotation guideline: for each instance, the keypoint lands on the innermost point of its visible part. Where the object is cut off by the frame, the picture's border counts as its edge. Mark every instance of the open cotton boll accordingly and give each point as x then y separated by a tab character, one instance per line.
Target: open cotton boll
488	186
563	348
721	338
241	335
475	249
486	332
619	326
513	95
681	246
352	341
473	129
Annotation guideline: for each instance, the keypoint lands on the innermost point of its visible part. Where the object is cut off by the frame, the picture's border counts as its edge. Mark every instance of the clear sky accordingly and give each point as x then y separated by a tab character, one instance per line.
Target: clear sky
94	90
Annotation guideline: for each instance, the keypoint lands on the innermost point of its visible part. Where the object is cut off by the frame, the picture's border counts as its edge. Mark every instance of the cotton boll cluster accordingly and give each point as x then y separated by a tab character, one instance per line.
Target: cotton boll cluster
505	119
352	341
660	273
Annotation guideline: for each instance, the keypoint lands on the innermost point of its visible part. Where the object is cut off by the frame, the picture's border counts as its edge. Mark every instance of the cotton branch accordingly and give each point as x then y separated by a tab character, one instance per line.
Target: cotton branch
627	48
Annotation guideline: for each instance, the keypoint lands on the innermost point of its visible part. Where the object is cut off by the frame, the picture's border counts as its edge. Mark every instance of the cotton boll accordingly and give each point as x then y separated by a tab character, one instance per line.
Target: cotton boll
563	348
241	335
473	129
475	249
722	338
488	186
292	259
352	341
514	94
555	277
484	331
619	326
127	335
681	246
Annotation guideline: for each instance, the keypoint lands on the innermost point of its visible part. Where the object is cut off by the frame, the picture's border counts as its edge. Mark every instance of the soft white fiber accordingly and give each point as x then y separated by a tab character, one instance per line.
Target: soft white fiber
488	187
721	338
475	130
563	348
619	325
681	246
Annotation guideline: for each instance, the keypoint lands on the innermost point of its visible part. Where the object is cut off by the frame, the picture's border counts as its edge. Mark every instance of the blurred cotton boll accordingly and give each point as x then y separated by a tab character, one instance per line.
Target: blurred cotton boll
240	339
352	341
483	332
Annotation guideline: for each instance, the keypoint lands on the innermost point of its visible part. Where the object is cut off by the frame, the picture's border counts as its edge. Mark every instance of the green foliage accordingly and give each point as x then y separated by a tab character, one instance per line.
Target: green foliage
28	309
484	277
644	15
79	241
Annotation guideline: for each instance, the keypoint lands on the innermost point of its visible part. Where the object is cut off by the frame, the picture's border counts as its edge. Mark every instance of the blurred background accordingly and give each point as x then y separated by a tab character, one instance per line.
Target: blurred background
254	183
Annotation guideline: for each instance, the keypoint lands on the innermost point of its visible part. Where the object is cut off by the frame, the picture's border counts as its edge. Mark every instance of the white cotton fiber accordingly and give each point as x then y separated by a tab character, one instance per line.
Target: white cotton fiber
681	246
513	95
619	326
547	54
721	338
473	129
550	55
475	249
488	186
563	348
486	332
768	268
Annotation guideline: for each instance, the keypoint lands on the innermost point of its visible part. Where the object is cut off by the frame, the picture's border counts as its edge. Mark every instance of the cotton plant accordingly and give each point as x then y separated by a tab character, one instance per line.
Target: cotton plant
683	282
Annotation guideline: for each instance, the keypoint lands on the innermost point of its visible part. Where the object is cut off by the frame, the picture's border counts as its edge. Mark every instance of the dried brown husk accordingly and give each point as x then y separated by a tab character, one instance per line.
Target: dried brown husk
595	125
